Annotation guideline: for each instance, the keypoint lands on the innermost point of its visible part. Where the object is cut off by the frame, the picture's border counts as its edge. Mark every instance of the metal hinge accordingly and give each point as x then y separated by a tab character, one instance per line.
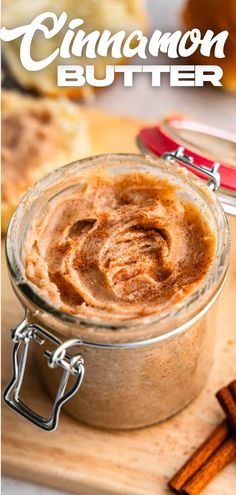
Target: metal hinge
212	173
71	365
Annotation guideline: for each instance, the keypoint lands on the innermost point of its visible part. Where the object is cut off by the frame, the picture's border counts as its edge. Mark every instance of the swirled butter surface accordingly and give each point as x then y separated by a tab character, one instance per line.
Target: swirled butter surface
118	246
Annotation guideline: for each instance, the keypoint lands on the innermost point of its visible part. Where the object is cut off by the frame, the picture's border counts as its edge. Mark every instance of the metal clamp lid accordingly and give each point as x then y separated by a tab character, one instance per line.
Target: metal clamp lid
164	137
177	133
71	365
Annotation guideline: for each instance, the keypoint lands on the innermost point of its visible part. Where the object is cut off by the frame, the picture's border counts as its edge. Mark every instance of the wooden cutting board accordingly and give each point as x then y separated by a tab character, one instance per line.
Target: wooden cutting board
88	461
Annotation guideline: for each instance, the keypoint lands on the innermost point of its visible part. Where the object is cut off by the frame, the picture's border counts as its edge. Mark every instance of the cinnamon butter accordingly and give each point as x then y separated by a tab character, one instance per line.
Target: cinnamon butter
119	246
27	140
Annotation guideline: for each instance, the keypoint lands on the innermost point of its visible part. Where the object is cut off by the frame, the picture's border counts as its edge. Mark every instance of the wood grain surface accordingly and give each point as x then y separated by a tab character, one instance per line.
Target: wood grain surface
88	461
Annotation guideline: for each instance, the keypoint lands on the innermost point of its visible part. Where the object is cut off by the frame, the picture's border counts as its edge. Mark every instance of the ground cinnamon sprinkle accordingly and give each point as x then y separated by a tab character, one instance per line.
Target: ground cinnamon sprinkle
218	450
119	247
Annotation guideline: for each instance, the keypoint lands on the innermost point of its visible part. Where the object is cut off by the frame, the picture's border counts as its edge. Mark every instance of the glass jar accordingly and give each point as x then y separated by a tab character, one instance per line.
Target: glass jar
117	374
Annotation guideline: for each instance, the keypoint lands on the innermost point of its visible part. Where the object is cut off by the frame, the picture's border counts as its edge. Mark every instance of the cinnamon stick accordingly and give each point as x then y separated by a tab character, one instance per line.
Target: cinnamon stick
228	404
232	387
200	456
223	456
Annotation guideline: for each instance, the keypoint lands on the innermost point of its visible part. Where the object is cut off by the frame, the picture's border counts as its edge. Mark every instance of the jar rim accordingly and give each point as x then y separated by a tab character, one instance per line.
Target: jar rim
211	282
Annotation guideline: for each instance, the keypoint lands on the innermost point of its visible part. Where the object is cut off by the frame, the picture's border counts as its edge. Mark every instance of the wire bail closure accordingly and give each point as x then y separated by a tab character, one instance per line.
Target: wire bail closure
22	335
212	173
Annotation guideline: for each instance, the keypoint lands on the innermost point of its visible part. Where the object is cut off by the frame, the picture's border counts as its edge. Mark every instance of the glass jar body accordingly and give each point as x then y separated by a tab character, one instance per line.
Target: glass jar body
136	372
125	388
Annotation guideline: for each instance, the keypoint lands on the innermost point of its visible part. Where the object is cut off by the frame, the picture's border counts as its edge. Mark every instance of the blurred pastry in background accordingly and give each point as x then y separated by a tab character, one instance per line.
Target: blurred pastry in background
114	15
217	15
38	135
